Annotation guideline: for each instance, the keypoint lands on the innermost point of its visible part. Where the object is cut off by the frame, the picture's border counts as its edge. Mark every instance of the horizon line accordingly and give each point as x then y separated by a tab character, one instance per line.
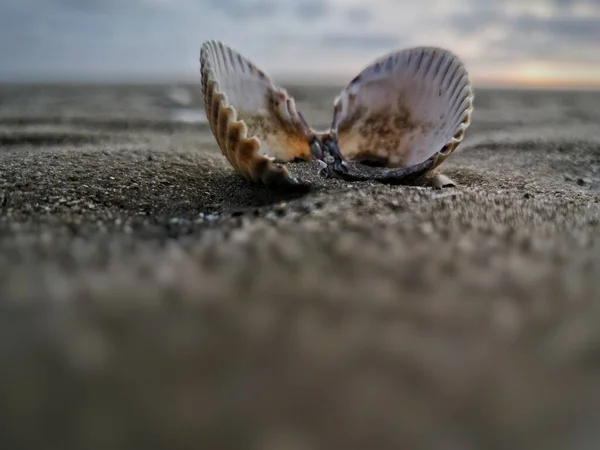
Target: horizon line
333	80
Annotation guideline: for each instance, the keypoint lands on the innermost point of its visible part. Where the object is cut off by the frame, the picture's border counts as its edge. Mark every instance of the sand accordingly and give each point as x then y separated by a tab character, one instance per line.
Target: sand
150	298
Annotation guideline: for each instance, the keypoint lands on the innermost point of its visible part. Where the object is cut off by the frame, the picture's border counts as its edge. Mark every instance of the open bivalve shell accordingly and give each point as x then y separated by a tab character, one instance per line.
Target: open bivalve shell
254	121
408	111
399	119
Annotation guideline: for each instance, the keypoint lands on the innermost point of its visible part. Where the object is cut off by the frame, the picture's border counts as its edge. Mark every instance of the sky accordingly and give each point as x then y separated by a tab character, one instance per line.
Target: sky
514	42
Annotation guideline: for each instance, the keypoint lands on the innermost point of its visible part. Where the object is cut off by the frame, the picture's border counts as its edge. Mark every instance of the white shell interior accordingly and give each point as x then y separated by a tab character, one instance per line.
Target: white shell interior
405	106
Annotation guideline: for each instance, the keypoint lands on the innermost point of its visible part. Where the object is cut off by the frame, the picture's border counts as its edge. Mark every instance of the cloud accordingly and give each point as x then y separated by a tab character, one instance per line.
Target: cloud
359	41
244	9
576	29
359	15
563	30
312	9
98	38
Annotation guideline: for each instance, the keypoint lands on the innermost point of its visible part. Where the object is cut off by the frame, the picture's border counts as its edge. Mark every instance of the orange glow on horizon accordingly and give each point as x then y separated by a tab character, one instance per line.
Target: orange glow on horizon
536	74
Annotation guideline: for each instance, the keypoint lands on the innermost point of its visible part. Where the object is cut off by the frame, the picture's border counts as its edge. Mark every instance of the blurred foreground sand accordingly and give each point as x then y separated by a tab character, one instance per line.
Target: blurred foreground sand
149	298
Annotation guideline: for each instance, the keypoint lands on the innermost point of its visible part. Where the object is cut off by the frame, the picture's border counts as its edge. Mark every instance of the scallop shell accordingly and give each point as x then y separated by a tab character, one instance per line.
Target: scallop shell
254	121
407	111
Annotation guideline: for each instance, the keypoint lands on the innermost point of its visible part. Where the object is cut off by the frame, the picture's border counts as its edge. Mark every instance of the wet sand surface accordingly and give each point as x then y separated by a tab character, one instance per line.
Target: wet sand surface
150	298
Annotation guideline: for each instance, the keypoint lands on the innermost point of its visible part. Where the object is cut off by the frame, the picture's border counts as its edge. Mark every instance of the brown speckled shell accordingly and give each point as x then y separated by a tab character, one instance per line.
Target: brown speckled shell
407	107
240	138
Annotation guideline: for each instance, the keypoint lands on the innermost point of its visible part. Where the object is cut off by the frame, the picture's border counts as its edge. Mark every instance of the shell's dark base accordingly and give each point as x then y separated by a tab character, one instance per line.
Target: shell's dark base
334	159
426	178
334	166
422	174
416	174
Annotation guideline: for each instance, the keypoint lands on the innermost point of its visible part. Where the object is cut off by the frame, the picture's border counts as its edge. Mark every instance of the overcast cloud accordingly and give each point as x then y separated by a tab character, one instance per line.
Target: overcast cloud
161	38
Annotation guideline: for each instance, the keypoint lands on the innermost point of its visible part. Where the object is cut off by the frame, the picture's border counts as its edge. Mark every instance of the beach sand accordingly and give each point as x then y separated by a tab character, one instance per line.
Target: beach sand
151	298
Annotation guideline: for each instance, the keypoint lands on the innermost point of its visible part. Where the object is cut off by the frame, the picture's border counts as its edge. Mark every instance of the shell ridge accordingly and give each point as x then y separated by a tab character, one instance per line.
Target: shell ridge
450	74
460	106
455	85
223	104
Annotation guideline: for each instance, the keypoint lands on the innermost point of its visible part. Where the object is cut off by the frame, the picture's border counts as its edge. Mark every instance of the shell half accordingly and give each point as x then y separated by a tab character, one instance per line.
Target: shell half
254	121
407	111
